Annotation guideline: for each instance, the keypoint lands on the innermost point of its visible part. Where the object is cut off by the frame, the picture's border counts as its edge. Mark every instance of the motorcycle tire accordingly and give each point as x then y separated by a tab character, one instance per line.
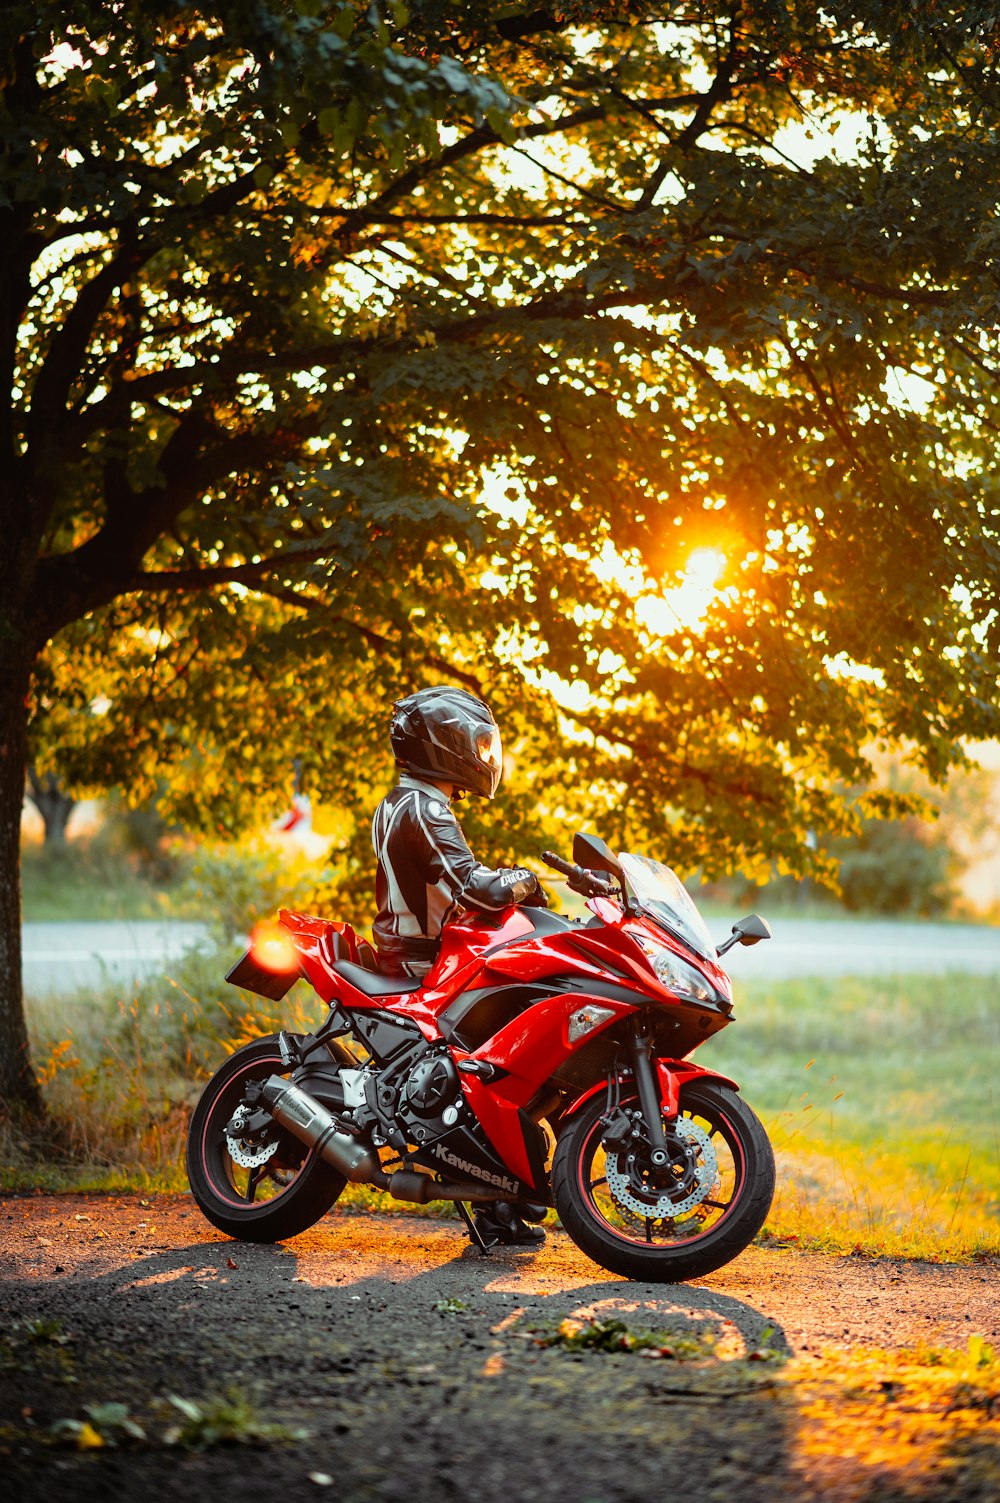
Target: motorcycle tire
719	1188
262	1202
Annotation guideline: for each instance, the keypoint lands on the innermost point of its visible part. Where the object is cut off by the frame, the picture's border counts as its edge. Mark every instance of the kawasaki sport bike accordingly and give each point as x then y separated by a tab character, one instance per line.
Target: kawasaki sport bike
544	1059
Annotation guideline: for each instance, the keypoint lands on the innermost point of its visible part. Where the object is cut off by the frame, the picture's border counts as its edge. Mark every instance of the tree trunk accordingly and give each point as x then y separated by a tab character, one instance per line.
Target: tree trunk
53	805
18	1087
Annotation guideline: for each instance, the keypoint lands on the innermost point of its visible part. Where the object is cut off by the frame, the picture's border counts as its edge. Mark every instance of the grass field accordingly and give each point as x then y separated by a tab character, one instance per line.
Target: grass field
878	1095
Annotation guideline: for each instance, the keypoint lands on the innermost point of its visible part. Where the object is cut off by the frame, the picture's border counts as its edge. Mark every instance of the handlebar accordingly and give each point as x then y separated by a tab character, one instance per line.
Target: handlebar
566	867
590	884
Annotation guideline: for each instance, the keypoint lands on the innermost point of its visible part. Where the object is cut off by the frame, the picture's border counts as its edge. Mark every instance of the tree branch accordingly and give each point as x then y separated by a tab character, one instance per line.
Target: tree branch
719	89
252	572
515	28
475	141
376	640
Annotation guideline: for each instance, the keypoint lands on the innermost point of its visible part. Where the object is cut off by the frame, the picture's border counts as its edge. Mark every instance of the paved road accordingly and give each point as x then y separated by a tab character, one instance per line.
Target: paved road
60	958
844	947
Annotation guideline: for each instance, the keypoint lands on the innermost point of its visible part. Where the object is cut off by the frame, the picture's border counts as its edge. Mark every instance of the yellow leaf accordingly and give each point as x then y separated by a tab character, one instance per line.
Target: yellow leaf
87	1438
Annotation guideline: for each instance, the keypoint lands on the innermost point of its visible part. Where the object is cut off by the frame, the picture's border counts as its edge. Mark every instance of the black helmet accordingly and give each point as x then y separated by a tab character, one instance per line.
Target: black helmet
450	736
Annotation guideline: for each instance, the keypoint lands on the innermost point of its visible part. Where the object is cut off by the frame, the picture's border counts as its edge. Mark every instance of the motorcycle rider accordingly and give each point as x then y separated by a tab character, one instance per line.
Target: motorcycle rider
446	743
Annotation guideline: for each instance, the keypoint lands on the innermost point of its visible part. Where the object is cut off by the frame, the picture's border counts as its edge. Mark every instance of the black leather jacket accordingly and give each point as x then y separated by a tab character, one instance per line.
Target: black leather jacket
426	872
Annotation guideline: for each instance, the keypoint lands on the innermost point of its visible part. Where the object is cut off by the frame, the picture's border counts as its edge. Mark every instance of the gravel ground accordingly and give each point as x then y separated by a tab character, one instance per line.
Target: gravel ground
409	1361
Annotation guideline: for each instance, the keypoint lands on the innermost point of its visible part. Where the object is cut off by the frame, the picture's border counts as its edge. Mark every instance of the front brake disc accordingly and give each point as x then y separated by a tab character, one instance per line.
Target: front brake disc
701	1174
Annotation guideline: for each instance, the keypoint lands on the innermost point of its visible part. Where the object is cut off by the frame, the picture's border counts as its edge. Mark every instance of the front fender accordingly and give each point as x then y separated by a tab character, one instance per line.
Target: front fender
673	1075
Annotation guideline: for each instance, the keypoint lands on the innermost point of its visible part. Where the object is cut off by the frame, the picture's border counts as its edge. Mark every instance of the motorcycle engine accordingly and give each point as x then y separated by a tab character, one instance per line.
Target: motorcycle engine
430	1101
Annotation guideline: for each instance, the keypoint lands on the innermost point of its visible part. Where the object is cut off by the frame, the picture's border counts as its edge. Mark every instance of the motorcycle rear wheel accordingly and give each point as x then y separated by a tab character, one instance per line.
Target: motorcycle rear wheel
266	1202
723	1184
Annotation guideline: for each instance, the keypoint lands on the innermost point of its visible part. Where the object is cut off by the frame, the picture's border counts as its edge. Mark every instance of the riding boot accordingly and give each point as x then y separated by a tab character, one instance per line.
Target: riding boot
500	1221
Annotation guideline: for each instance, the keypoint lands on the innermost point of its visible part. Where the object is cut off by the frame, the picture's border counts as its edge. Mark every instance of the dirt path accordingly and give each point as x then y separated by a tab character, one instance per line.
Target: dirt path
411	1363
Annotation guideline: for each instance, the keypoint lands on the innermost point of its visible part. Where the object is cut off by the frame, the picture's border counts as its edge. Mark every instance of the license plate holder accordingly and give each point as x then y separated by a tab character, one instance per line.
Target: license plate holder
253	977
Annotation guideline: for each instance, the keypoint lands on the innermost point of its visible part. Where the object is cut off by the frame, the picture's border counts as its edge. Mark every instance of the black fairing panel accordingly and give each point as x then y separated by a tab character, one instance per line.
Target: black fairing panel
593	1059
253	977
461	1153
323	1082
544	922
678	1030
477	1015
384	1037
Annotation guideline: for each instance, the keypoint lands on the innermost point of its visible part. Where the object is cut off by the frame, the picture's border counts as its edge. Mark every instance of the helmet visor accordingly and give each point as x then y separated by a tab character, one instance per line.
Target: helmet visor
489	749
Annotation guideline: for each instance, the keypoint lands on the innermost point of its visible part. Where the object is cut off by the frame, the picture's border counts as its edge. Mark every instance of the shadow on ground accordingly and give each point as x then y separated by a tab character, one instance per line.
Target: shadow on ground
432	1384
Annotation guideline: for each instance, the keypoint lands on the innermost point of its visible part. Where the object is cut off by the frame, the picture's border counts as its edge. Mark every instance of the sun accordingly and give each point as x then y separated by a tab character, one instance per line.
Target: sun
687	603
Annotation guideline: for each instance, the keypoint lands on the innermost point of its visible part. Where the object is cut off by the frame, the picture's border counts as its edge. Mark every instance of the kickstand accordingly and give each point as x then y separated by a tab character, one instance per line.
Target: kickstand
475	1236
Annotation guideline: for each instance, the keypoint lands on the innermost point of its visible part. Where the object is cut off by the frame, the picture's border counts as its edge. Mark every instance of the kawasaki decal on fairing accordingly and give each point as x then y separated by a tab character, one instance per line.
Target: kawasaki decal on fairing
499	1180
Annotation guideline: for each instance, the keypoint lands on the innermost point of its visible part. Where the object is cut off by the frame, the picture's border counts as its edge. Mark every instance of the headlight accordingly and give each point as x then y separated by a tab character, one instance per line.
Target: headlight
680	977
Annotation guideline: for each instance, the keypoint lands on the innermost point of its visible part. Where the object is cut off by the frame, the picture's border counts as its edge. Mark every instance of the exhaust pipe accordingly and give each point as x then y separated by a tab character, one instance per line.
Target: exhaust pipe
309	1121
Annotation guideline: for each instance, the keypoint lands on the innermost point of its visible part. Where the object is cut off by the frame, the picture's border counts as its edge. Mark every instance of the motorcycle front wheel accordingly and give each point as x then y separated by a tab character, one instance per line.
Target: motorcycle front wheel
666	1225
256	1190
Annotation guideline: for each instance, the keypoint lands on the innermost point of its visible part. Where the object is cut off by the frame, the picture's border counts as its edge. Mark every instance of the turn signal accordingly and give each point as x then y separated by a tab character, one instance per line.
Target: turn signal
586	1019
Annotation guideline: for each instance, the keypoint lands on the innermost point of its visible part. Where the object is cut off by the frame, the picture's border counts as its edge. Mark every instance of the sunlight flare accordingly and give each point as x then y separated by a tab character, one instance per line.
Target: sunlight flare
686	605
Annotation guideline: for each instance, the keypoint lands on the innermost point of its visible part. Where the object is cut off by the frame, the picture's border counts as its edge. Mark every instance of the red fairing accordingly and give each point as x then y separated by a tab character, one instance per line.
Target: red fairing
672	1075
604	965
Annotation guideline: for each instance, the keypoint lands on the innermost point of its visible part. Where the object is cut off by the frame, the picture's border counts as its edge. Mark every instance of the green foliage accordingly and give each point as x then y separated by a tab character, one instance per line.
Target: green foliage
45	1330
878	1096
234	887
230	1420
43	1344
612	1335
91	879
108	1424
451	1306
344	294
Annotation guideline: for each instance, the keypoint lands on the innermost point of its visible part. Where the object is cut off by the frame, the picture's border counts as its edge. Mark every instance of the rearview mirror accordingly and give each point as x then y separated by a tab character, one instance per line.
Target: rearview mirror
595	854
749	931
752	929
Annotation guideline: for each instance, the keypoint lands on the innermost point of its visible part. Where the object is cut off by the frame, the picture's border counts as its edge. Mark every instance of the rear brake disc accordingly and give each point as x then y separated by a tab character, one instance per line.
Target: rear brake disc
247	1155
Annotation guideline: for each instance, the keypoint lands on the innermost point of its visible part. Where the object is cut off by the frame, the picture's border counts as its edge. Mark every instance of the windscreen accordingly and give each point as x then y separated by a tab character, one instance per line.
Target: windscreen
662	895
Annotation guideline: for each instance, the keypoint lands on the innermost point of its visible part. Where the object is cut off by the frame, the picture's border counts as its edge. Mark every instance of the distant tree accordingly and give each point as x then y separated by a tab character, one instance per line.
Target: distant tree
283	279
53	803
898	866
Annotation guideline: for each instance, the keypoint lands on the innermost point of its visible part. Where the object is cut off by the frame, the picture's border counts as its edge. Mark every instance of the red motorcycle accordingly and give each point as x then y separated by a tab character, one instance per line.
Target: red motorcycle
542	1059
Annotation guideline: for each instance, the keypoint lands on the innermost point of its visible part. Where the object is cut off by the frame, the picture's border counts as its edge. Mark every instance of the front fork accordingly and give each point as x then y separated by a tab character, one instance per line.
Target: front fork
649	1088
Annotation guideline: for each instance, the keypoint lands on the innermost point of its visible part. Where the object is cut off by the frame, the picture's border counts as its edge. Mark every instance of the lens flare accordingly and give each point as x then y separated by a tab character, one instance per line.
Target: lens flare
272	949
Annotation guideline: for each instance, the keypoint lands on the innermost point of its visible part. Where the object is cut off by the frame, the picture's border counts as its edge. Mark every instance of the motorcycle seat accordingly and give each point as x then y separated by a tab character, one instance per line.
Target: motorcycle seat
372	983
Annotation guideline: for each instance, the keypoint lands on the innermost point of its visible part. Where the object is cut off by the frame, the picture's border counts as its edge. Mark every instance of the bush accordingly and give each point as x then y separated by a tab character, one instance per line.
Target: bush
898	866
233	887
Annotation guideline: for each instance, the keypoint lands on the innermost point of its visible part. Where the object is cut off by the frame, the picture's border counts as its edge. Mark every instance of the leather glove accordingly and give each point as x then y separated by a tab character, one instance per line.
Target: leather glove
536	899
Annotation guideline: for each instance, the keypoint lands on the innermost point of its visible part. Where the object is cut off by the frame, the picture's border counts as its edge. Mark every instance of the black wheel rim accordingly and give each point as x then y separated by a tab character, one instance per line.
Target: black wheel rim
254	1187
637	1216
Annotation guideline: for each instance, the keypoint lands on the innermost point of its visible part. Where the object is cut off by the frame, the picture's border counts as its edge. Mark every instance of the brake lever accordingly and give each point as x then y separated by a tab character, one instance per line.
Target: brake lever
590	885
